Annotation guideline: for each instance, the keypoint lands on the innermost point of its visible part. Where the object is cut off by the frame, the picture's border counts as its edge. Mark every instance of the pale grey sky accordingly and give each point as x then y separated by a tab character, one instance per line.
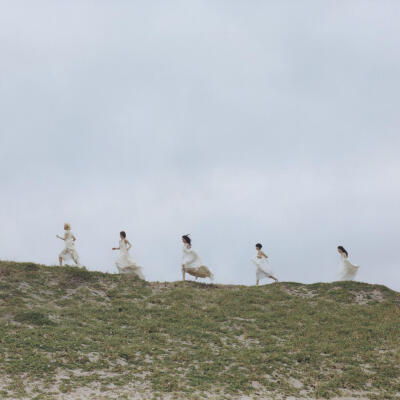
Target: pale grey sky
236	121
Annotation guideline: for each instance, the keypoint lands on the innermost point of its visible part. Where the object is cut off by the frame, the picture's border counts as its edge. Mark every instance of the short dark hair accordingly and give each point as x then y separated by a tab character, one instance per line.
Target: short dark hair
187	239
259	246
123	234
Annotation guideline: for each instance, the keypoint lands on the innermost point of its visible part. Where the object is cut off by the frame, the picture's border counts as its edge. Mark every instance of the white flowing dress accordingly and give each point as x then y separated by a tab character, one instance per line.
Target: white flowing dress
125	263
69	249
348	270
193	265
264	269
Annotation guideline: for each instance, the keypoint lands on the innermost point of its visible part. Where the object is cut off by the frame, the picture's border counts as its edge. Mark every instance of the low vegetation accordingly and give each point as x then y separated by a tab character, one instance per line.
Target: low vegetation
67	333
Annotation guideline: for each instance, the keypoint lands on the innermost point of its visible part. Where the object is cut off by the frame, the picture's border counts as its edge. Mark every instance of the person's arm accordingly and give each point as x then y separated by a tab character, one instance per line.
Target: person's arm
128	244
73	238
116	248
59	237
264	255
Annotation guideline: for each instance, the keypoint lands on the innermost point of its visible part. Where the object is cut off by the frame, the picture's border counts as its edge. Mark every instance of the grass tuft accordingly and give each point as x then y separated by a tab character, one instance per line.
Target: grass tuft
33	317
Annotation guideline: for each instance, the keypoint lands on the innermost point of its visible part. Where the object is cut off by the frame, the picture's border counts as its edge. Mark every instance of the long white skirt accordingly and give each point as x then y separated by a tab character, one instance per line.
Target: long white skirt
199	272
126	265
348	270
264	269
193	265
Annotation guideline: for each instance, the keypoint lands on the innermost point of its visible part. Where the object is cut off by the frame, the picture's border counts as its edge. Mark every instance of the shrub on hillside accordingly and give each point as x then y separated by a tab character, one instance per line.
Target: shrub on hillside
33	317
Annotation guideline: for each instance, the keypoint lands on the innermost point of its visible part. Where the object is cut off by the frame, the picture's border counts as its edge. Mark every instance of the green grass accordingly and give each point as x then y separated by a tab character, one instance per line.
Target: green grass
64	330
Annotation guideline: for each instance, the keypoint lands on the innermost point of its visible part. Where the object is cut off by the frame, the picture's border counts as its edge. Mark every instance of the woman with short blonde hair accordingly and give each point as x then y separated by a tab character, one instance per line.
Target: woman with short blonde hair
69	249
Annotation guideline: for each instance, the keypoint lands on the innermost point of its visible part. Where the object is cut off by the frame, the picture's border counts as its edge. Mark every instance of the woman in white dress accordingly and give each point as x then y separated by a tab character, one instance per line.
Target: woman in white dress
69	249
261	261
191	262
124	261
348	271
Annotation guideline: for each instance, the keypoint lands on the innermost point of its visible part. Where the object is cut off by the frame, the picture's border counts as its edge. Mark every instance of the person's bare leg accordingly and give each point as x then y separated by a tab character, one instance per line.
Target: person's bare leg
183	273
258	281
75	258
60	261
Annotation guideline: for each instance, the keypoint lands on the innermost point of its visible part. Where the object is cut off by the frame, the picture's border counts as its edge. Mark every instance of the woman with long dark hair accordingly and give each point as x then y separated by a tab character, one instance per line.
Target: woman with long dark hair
348	270
191	262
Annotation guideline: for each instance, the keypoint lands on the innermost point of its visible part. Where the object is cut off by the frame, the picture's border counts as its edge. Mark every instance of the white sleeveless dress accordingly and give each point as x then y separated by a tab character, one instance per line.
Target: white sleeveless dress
69	249
193	265
348	270
125	263
264	269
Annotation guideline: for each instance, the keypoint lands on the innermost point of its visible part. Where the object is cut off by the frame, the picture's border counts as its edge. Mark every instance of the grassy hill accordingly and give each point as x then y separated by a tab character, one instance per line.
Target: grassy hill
67	333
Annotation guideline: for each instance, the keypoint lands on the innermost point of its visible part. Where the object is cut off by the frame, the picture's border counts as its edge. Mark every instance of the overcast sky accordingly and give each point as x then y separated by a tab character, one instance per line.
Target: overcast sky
235	121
